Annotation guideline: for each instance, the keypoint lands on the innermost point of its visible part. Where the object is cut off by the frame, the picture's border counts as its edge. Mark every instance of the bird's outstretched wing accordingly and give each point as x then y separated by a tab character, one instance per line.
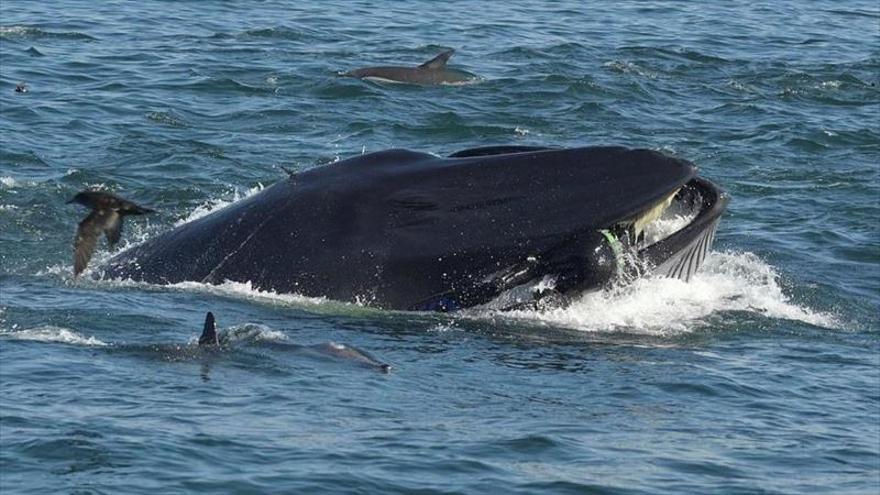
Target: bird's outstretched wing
87	234
113	228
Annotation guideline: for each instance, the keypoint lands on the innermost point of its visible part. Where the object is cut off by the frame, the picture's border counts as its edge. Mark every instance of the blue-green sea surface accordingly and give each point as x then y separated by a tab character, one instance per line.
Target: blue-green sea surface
761	375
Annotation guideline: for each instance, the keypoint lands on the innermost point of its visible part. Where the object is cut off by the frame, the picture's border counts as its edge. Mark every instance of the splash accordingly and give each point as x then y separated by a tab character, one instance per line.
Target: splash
664	306
650	306
29	32
251	333
139	232
51	333
216	204
246	290
665	226
245	333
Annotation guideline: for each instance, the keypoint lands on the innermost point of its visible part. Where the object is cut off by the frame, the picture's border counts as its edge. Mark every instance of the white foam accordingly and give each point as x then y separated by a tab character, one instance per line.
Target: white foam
662	306
136	233
51	333
139	232
627	67
665	226
443	328
16	30
216	204
246	290
252	332
652	305
7	182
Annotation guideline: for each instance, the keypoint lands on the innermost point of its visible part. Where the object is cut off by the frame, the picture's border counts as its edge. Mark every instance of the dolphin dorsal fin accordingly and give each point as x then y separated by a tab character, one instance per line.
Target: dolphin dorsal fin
209	334
439	61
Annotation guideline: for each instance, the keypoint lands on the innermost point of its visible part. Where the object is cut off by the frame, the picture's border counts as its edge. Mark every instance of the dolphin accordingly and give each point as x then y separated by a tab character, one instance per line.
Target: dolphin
209	336
210	339
105	218
432	72
349	353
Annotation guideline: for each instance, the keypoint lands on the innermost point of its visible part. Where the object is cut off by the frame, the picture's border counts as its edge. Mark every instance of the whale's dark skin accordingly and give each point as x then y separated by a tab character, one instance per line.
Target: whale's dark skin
405	230
430	73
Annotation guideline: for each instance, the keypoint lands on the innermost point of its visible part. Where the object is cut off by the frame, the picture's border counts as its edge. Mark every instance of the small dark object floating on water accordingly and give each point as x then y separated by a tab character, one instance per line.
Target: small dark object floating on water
405	230
21	88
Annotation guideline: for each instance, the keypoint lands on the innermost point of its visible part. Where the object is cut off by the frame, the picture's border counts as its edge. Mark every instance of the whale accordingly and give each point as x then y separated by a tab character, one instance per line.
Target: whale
432	72
408	230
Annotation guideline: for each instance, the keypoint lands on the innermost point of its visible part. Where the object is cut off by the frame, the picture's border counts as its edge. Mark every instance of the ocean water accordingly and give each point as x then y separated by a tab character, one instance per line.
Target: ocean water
761	375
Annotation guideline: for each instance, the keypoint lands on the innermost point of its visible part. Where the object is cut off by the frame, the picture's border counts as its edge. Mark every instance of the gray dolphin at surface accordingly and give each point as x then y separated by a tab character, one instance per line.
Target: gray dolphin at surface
105	218
432	72
210	339
209	332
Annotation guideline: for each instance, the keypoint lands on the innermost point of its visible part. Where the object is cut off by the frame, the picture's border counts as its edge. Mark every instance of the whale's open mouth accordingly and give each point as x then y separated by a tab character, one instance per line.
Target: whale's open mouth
671	238
675	240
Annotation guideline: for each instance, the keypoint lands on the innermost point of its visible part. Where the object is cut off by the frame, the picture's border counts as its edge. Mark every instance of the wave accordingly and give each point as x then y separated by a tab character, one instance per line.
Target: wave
217	204
30	32
242	290
277	33
657	306
51	333
680	54
663	306
631	68
249	333
220	84
26	158
167	118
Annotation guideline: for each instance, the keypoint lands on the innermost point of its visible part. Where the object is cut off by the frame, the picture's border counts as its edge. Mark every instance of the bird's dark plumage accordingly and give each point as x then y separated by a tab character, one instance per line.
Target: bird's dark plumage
105	218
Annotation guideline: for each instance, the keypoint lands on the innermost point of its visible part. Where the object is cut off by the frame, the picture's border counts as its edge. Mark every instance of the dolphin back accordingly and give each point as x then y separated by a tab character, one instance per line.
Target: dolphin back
431	72
209	331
